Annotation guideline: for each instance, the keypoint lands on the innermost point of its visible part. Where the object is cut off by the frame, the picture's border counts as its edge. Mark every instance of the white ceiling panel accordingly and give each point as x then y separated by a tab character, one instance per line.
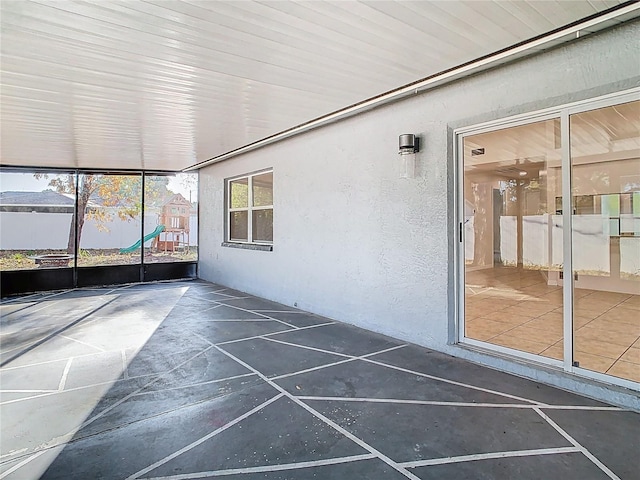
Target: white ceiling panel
166	84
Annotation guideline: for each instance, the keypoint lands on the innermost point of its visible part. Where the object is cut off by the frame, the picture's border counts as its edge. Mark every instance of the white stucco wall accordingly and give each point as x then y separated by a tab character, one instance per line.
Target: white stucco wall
356	243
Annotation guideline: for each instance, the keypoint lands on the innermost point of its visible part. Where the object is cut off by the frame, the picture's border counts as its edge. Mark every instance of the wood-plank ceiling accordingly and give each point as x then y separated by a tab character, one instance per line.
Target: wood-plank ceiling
166	84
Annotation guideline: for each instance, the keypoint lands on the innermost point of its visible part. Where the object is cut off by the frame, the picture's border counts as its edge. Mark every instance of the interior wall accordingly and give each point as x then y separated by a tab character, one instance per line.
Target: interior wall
355	242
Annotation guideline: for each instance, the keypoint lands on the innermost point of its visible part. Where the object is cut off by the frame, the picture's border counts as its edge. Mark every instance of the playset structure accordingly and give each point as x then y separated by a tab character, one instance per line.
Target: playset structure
172	232
174	216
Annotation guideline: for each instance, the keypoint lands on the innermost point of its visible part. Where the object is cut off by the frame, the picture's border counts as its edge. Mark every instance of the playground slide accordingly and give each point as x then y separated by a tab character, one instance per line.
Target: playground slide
159	229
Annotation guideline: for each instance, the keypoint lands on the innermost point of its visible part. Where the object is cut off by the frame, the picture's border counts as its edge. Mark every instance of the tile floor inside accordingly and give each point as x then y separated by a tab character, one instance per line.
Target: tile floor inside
516	308
191	380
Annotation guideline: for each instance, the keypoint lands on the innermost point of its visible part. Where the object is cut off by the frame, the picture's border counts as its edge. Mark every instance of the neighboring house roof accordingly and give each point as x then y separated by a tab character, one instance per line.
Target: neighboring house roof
48	197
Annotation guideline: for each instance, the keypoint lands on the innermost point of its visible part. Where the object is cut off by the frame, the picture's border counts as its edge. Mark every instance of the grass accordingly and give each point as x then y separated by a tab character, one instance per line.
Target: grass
23	259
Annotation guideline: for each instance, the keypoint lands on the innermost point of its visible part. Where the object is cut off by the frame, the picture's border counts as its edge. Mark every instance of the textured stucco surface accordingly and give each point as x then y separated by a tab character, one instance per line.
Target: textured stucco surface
353	241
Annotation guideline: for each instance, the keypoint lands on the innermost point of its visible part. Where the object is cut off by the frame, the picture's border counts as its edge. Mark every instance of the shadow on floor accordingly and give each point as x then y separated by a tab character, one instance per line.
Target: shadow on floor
194	380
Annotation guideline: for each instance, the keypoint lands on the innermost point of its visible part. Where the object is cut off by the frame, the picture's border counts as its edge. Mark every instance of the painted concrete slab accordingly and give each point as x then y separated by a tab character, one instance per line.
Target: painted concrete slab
282	432
395	429
568	466
340	338
258	304
278	359
367	469
156	384
597	431
360	379
155	436
226	331
298	319
442	365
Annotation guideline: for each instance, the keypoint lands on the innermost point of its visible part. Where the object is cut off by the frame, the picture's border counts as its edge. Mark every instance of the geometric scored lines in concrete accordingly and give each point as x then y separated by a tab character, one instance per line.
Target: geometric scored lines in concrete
189	380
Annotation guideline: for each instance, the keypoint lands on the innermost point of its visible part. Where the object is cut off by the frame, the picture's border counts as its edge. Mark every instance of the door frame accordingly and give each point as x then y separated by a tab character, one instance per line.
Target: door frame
563	113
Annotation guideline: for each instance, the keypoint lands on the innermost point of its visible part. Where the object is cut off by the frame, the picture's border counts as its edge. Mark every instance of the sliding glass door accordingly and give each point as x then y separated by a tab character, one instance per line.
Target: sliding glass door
513	238
605	235
550	238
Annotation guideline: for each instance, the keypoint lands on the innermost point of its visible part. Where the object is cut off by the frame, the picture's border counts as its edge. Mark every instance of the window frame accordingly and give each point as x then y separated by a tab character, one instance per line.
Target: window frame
250	208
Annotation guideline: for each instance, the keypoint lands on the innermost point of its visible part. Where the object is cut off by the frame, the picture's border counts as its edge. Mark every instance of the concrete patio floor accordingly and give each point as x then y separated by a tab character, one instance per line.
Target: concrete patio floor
191	380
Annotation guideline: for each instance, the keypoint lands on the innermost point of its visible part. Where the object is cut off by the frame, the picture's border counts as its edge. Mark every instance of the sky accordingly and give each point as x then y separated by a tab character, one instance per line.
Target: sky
26	182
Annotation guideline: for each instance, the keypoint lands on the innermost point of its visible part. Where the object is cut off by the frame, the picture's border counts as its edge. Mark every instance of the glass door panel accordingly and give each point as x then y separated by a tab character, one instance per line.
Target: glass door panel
109	223
513	238
605	169
171	218
36	220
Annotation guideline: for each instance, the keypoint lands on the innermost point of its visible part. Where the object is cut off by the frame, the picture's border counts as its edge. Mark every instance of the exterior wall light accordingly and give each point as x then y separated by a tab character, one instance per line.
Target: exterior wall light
409	145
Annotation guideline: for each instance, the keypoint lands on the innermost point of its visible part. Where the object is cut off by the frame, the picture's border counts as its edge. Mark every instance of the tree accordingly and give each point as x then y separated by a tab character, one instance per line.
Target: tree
122	192
482	228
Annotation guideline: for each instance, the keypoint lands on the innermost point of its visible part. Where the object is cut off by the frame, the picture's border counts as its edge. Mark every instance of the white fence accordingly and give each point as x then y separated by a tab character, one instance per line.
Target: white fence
542	243
50	231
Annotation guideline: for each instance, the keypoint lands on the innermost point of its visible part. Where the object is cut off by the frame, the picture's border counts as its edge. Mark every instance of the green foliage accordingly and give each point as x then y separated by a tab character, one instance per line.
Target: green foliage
156	190
100	197
262	191
240	193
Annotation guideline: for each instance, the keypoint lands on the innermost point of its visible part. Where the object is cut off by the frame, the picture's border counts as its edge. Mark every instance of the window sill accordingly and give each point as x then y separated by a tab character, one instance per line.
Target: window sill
249	246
